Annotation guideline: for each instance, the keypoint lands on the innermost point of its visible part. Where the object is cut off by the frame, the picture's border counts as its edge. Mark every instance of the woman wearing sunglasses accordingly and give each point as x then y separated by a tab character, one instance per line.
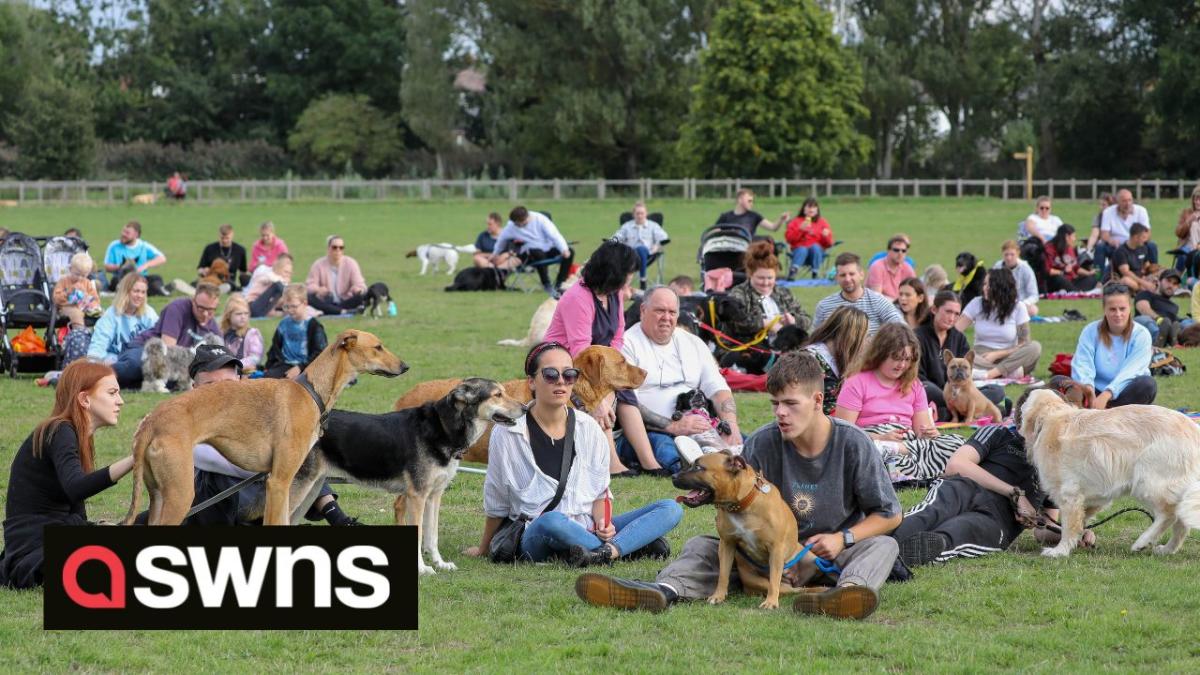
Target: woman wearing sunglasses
1113	355
525	466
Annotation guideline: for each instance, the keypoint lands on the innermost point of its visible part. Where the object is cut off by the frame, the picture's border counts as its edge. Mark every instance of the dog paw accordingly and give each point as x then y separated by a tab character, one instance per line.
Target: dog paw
445	565
716	599
1163	549
1138	546
769	604
1055	552
426	570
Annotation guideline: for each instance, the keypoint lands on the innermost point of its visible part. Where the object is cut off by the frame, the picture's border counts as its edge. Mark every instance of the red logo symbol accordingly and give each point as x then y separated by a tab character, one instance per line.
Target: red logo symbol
116	574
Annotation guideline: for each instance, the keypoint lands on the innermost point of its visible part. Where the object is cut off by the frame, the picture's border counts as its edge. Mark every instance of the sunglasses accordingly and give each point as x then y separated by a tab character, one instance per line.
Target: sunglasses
568	375
899	250
337	248
1114	288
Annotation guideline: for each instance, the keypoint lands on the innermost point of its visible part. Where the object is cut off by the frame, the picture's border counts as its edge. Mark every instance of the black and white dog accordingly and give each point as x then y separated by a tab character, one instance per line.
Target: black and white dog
413	453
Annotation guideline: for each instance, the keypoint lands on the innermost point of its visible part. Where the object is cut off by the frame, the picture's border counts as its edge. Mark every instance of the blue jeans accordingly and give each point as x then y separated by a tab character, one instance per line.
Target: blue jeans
1149	324
812	256
663	446
643	255
553	532
129	368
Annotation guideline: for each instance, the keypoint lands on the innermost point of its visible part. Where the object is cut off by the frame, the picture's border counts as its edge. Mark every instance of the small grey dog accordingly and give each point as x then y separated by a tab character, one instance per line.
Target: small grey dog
162	364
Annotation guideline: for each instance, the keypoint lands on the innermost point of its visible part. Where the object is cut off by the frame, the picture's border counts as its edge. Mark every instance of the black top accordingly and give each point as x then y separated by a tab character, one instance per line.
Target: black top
604	325
485	242
1134	257
235	255
53	485
1162	305
1002	454
748	221
547	452
932	367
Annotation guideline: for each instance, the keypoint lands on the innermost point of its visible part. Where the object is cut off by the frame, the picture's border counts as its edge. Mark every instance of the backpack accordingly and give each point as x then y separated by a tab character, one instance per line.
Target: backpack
1165	364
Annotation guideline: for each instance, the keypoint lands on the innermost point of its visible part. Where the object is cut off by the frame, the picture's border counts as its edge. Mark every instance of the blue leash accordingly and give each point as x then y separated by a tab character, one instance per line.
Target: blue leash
826	566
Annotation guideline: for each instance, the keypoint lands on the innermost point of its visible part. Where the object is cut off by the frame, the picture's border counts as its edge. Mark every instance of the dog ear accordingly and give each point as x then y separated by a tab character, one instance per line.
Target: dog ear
736	463
947	356
347	340
1088	396
970	357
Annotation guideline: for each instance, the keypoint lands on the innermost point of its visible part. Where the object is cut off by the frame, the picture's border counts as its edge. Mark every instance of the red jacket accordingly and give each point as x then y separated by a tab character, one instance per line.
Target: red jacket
817	232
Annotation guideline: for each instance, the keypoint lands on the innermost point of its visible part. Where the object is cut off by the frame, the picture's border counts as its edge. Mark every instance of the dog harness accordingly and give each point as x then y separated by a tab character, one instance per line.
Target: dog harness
303	382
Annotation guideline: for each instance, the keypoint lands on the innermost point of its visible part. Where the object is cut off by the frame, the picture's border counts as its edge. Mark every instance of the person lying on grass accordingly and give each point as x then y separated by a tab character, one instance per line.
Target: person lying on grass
831	476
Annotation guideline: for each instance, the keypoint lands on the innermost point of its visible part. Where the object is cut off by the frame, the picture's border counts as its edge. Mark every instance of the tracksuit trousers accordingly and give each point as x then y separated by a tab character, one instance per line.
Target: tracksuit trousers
976	521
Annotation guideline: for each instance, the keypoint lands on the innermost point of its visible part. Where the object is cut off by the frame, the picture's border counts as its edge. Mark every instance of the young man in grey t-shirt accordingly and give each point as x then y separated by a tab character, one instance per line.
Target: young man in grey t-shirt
833	479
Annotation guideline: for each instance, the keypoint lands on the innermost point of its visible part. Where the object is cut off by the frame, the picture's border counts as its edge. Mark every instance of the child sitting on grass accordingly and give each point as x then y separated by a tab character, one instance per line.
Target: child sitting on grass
75	294
241	339
298	339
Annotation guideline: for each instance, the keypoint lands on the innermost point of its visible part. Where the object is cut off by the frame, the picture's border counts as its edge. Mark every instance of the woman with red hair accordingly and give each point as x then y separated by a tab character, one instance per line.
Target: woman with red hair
53	472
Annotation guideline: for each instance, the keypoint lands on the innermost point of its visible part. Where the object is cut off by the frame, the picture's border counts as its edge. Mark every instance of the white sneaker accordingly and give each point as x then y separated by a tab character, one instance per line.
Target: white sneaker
689	450
1017	374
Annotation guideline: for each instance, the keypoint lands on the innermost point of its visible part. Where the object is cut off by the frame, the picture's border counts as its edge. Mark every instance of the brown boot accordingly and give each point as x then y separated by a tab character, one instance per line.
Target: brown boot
842	602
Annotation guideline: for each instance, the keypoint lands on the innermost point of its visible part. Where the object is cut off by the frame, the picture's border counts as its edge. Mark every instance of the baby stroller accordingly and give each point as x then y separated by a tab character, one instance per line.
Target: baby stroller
724	245
25	301
57	255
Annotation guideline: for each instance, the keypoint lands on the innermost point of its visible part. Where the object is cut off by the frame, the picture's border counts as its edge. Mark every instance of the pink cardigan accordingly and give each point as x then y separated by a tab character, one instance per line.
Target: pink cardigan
572	321
350	279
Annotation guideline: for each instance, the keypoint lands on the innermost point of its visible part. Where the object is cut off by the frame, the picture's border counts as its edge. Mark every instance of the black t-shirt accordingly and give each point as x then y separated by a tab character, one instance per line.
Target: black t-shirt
1162	306
547	452
235	255
748	221
932	367
1134	257
53	485
485	242
1002	454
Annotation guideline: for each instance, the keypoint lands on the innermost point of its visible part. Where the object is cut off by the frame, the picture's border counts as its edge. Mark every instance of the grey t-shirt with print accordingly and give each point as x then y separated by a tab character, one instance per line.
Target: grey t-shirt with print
829	492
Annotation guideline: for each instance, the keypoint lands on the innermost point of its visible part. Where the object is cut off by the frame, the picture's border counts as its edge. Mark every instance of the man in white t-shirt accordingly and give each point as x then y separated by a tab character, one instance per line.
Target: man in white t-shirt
675	362
1115	222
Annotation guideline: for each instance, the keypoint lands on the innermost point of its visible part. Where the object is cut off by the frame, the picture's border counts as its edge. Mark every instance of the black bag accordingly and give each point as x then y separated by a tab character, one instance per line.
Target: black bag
506	541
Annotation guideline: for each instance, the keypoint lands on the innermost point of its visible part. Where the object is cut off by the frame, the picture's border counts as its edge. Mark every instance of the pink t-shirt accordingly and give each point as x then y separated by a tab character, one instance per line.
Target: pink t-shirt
876	403
266	255
886	280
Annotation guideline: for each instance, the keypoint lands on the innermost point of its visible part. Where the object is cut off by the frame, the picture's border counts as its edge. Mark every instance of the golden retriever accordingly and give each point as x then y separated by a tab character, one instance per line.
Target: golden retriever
1087	458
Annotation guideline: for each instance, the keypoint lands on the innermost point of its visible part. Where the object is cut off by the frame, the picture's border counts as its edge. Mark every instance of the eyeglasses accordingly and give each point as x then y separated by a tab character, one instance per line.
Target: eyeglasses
899	250
568	375
290	307
337	248
202	308
1043	208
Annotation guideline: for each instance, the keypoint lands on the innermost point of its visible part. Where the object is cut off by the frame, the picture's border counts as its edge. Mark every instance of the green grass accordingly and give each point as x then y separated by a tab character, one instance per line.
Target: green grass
1105	609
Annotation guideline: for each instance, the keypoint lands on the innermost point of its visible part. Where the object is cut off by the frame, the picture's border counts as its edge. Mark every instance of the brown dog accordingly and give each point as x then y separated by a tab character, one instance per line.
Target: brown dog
602	370
962	396
756	527
1072	392
260	425
218	273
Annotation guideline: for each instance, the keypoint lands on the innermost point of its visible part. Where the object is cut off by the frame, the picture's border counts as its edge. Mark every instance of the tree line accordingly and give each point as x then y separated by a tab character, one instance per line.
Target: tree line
598	88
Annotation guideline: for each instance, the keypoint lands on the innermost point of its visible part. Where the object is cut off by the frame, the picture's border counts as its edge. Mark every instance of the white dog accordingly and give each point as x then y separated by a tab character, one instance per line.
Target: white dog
438	254
1087	458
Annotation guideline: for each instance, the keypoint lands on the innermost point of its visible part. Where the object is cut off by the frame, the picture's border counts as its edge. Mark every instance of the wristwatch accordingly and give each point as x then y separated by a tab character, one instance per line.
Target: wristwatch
847	538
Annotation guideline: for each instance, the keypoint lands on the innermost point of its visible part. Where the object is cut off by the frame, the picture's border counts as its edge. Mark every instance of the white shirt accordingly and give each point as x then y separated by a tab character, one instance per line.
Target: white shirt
1047	227
990	334
1112	222
769	306
647	234
822	350
516	487
679	366
207	458
538	234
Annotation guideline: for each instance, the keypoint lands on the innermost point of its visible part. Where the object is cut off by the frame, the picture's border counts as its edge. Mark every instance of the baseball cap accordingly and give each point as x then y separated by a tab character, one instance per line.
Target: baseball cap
212	357
1172	273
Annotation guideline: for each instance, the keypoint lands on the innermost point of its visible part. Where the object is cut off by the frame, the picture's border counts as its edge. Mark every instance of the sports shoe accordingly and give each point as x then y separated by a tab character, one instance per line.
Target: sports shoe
689	450
840	602
659	549
605	591
923	548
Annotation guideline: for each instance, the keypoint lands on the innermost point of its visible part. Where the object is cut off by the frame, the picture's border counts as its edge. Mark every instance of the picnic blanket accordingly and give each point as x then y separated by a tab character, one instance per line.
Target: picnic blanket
806	282
739	381
1073	295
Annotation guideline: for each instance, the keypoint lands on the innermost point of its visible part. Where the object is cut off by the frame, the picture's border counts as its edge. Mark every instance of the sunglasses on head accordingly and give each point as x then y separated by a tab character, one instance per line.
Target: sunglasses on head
568	375
1114	288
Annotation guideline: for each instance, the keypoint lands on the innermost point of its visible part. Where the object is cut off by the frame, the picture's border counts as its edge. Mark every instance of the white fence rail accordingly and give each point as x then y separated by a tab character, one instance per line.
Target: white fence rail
516	190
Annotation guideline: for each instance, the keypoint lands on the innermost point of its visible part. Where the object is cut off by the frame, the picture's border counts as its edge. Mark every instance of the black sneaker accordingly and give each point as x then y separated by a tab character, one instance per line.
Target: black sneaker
840	602
658	549
923	548
579	556
660	472
605	591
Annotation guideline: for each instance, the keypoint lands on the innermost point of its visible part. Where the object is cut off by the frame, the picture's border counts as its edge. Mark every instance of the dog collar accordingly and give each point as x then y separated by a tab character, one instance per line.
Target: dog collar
302	380
760	485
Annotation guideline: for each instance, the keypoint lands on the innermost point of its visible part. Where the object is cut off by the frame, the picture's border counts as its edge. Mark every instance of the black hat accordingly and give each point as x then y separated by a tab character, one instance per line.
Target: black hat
212	357
1172	273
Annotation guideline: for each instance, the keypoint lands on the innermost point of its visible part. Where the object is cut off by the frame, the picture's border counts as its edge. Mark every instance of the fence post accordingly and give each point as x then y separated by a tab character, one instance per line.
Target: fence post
874	187
649	189
1138	190
601	188
470	189
1158	188
1095	189
1004	189
1114	187
1181	188
942	184
512	189
1050	188
857	187
39	191
987	187
557	189
21	191
1072	189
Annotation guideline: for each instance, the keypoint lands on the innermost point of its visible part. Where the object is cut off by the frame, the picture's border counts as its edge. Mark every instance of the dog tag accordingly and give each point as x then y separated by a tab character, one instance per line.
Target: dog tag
765	488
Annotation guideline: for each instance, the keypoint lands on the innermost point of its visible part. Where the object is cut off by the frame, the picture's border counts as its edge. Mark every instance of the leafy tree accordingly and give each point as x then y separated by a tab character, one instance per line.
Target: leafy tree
345	132
54	130
778	95
427	93
589	87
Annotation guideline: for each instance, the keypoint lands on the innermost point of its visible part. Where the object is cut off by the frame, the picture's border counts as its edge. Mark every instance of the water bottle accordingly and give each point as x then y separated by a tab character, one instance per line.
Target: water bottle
391	308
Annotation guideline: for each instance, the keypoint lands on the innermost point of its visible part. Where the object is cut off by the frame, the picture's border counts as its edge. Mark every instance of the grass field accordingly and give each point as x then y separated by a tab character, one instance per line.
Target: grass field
1105	609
